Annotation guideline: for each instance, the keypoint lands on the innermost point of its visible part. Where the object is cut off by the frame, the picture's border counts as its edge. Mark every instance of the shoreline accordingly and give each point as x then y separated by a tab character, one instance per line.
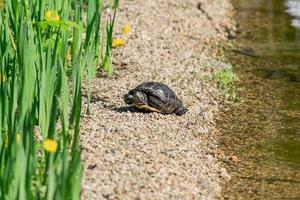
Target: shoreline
130	155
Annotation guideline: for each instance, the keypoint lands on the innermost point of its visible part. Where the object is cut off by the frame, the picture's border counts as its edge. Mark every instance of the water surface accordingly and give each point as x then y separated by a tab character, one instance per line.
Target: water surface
263	131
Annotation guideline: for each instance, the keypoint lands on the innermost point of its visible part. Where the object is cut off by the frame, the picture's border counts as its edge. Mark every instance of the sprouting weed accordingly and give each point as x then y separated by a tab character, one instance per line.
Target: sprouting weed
50	145
118	42
126	29
51	15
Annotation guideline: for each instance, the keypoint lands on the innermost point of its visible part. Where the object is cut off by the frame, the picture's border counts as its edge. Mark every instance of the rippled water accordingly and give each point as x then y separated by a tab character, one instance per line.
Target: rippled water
263	132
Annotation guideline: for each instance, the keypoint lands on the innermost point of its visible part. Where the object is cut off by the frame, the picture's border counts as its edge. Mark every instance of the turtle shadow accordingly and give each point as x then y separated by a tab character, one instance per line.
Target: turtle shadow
131	109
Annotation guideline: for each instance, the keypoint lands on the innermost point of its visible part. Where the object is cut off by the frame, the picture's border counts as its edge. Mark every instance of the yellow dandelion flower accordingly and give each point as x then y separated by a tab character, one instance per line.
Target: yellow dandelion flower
126	29
51	15
118	42
50	145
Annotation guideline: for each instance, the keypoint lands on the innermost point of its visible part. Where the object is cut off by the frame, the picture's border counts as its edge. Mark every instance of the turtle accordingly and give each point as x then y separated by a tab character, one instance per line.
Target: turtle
155	97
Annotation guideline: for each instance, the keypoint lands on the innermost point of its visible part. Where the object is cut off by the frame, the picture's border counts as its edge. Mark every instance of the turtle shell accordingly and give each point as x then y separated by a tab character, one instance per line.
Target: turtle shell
158	97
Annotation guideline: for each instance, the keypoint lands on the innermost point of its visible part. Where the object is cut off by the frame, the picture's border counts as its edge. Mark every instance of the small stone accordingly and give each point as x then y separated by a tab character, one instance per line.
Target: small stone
93	166
234	159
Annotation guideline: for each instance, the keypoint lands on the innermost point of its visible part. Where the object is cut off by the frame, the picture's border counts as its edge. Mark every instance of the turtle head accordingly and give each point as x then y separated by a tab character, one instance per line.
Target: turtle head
180	110
136	98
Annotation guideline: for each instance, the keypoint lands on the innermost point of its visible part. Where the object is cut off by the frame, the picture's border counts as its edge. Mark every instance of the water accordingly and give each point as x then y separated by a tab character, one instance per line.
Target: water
293	8
263	132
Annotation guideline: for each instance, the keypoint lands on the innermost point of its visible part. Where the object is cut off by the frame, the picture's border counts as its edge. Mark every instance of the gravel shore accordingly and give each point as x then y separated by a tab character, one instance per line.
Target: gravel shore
132	155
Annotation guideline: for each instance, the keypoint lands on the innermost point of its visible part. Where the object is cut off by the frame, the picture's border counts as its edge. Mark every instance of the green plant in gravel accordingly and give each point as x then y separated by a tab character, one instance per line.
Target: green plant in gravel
39	116
227	82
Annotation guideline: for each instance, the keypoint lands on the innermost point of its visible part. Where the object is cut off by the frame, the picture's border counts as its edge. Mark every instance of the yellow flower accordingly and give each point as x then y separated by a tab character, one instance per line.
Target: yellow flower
51	15
118	42
126	29
50	145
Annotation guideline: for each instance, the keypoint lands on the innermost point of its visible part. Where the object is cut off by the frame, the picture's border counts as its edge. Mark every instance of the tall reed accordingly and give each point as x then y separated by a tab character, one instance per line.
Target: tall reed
40	104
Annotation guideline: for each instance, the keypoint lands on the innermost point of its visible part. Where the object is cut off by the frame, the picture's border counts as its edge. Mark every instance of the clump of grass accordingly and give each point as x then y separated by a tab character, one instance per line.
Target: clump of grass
41	41
227	83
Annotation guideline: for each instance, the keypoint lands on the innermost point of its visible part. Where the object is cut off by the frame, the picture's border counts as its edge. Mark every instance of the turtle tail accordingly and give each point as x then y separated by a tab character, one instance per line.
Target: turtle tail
180	110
